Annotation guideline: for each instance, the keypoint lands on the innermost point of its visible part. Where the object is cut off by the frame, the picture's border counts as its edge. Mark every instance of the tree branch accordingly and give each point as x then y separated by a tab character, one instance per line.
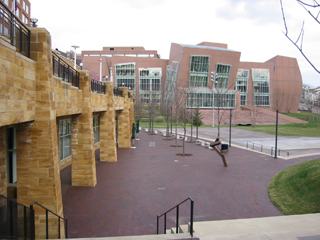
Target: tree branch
286	33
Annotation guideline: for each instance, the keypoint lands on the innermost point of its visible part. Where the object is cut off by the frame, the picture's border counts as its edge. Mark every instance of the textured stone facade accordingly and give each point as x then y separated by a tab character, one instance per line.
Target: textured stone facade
33	101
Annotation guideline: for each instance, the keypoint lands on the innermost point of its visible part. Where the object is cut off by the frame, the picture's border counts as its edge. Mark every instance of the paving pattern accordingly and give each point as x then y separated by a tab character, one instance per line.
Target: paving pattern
152	178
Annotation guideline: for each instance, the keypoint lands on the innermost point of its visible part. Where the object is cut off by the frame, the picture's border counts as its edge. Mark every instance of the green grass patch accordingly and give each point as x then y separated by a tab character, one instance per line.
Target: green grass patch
310	129
291	129
296	190
163	124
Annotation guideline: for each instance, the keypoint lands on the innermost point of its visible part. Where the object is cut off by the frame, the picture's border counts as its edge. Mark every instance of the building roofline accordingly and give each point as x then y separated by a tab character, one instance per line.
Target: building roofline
206	47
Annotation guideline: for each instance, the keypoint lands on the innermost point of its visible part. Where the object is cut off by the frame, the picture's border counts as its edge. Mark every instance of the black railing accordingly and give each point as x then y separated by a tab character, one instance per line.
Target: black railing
47	222
14	220
14	30
177	217
117	92
63	70
259	147
98	87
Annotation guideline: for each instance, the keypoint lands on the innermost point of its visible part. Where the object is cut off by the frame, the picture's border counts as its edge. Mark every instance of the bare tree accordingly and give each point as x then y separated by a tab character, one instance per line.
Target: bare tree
298	43
137	109
166	110
152	104
183	115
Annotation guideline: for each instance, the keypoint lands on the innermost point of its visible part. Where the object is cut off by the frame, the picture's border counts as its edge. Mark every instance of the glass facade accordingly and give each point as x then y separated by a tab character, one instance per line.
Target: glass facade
125	75
64	138
242	85
204	99
171	78
199	71
261	90
225	100
222	76
150	84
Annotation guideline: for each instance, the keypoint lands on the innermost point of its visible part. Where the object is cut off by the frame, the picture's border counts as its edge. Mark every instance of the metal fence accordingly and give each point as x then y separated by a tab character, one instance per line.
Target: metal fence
63	70
14	220
98	86
117	92
12	29
271	151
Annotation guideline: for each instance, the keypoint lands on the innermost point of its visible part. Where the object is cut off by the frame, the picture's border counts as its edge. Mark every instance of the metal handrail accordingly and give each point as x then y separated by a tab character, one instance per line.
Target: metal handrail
177	217
117	92
16	223
63	70
98	86
47	222
14	30
261	149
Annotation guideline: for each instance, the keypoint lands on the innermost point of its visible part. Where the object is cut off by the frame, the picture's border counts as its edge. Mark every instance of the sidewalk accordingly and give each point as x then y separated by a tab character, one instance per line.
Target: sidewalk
152	178
295	146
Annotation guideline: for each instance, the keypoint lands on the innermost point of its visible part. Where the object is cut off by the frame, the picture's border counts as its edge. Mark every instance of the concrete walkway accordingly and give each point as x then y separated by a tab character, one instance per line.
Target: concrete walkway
288	147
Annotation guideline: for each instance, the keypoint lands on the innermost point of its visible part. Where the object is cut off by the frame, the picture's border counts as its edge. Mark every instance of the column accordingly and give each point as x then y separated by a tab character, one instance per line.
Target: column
108	148
124	124
83	162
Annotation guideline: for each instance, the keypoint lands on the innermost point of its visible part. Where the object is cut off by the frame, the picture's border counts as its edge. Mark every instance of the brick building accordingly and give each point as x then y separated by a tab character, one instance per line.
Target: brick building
21	9
211	73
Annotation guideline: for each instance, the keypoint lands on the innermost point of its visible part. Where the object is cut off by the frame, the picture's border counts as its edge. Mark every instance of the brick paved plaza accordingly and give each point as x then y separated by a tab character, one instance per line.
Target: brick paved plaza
151	178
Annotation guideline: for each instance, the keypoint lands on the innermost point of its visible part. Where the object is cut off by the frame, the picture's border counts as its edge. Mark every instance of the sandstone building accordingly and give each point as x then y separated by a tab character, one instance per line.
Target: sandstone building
53	116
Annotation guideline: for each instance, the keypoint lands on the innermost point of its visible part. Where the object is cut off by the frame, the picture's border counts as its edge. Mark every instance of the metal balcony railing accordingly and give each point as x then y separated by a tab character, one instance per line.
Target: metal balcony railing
98	86
63	70
117	92
12	29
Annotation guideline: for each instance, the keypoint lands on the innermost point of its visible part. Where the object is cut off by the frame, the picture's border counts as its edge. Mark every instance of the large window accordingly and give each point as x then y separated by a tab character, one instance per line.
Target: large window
125	75
64	138
11	155
96	128
150	85
242	85
204	99
222	76
199	71
225	100
261	92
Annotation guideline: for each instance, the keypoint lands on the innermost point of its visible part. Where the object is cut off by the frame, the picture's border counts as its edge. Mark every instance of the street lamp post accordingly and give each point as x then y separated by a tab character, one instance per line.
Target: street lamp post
75	56
214	82
100	69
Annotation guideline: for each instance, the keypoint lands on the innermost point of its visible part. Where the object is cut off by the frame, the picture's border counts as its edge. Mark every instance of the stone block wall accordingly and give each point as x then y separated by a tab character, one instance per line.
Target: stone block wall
17	86
33	100
124	123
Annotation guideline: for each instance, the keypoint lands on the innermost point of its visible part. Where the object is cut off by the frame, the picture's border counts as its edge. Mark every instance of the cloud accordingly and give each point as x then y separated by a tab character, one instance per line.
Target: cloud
261	11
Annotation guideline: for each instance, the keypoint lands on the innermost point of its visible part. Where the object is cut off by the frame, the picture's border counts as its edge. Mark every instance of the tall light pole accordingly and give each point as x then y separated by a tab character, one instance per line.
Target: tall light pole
214	82
75	56
100	69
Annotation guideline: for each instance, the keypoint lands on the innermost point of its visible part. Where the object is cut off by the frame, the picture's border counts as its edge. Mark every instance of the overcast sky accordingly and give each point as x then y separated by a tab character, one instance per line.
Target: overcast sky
252	27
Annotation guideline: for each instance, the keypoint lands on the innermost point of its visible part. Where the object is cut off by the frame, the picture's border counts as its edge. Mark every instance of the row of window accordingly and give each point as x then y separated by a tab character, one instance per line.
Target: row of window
65	150
150	80
16	9
65	132
202	99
